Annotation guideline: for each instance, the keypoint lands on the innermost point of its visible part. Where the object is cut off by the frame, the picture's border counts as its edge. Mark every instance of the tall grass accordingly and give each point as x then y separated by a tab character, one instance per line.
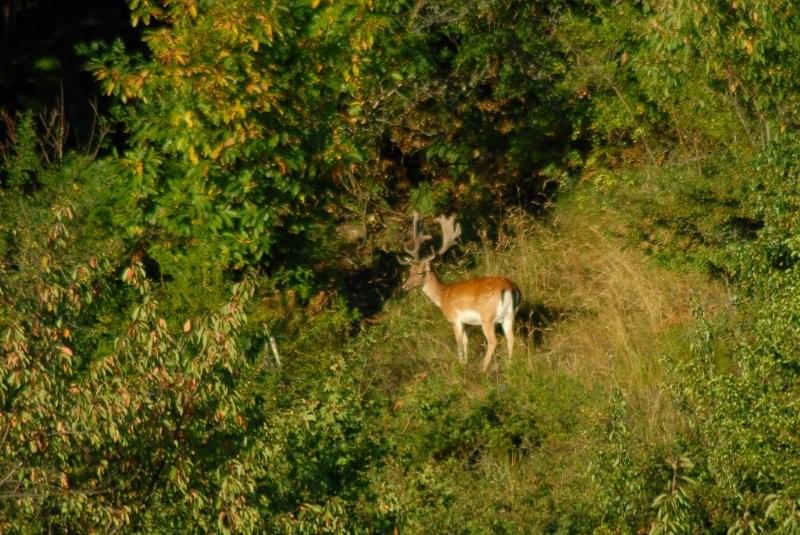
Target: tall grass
601	312
597	317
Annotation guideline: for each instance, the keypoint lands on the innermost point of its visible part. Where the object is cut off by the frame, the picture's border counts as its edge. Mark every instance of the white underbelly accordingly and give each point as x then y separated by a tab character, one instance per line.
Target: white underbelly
470	317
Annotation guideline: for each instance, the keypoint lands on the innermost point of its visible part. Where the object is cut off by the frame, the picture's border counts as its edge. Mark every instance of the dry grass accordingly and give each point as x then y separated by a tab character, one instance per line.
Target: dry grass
594	310
598	311
597	315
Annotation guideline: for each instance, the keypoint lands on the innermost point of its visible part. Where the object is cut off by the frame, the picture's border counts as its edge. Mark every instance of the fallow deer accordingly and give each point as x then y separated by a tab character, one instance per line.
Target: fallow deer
483	301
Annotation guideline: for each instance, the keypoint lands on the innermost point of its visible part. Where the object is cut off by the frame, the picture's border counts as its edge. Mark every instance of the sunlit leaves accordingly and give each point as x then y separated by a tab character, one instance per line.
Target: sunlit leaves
225	80
743	47
116	415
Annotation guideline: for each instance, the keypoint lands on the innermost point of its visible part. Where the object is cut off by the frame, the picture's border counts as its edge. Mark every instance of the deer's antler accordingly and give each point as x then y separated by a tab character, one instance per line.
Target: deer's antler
450	232
418	239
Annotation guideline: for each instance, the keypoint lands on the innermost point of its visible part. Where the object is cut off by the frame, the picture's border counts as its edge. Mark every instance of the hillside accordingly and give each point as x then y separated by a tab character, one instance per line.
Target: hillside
533	446
203	210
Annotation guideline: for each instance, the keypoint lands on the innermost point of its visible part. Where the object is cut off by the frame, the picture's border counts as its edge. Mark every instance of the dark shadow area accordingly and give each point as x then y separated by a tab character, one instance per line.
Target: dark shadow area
534	319
365	289
39	66
741	227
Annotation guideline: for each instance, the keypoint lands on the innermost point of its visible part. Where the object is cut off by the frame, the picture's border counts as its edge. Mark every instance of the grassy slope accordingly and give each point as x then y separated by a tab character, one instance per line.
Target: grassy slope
521	446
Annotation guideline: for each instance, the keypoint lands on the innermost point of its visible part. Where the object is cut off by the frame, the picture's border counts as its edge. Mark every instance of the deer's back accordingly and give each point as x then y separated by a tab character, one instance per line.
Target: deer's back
482	297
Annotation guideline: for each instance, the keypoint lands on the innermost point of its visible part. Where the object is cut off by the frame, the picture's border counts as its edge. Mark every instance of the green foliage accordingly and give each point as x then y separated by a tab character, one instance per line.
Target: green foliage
23	168
721	194
255	128
146	296
161	427
239	121
504	423
471	93
675	511
113	415
620	472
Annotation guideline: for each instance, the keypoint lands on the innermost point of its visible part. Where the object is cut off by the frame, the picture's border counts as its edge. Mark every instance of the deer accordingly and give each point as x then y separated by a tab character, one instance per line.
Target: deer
484	301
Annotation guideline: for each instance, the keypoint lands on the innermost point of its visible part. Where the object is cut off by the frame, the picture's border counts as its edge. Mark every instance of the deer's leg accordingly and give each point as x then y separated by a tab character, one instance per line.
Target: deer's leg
461	346
508	330
464	341
491	343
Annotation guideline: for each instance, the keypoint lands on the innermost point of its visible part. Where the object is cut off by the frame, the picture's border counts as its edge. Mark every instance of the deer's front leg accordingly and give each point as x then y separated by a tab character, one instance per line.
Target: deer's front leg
461	340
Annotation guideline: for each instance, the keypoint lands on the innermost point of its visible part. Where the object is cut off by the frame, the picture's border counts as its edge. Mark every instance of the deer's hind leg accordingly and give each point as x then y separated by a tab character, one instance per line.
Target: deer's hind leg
508	331
491	343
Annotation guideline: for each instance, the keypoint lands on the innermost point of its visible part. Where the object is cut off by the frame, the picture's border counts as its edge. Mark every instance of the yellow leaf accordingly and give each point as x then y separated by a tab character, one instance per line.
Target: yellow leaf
129	274
315	4
193	156
187	326
67	351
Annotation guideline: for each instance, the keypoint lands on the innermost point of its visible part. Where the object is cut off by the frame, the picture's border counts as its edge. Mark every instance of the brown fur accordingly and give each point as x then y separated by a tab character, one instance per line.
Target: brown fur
483	295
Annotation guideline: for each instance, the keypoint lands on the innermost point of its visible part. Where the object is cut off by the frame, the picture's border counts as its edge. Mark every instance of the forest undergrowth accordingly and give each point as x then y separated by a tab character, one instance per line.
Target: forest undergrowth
201	327
601	330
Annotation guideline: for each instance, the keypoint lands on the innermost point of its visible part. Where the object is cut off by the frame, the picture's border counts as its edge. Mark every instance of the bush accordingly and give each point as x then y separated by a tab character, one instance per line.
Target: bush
116	416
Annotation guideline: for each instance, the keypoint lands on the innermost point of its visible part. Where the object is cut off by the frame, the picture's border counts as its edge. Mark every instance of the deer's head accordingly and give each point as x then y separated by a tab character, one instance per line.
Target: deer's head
421	267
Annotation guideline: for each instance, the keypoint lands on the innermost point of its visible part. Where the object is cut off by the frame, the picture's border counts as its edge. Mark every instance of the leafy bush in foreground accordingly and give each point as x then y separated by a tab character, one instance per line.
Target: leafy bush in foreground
113	415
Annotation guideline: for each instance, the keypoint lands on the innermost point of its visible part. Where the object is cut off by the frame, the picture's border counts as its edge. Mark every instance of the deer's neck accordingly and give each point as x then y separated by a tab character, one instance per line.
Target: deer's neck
433	288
